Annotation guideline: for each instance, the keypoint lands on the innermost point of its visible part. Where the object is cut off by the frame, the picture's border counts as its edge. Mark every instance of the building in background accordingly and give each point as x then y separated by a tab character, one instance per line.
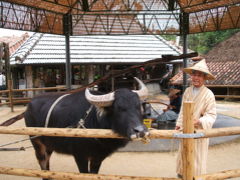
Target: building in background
40	61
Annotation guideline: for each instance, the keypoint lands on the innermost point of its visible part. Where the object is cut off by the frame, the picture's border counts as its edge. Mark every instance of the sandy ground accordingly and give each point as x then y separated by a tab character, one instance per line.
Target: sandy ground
157	164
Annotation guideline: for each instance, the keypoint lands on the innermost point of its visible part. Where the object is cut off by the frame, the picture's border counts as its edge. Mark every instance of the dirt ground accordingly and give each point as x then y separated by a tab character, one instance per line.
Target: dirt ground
155	164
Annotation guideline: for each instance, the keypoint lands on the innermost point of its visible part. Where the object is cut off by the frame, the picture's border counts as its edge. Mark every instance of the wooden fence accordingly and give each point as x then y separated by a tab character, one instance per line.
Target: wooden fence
11	100
188	137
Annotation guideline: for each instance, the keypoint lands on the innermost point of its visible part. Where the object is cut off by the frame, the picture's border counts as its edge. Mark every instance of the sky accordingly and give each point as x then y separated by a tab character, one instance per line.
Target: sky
8	32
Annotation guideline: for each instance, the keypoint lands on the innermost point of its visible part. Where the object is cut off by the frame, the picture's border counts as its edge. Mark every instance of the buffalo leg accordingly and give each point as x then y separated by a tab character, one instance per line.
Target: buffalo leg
42	153
82	163
95	165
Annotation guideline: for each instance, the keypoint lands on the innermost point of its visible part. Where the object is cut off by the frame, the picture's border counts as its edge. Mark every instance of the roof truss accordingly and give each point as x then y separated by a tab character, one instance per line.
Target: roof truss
116	17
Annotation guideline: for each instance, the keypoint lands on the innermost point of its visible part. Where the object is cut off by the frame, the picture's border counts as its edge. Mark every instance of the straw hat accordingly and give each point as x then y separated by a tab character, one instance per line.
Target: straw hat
172	92
202	67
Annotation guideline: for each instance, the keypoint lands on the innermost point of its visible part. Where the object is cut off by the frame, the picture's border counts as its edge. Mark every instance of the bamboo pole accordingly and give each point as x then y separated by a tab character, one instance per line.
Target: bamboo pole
69	132
16	98
38	89
228	96
219	175
223	86
4	103
107	133
188	144
21	101
216	132
71	175
62	132
4	91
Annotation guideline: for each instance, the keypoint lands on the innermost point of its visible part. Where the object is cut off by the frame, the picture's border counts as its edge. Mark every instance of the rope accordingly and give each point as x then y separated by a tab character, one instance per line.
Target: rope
15	142
52	107
81	122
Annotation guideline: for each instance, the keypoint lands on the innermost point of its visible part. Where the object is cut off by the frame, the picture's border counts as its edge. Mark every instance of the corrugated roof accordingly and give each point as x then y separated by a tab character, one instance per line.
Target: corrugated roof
50	49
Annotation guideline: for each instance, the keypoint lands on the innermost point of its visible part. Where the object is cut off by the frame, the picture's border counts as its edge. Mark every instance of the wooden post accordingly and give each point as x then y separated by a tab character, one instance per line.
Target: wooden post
188	144
10	88
29	79
8	72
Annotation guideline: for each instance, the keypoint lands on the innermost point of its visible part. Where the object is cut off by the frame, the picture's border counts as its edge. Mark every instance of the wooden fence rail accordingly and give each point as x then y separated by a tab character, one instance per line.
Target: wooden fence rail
71	175
105	133
220	175
19	100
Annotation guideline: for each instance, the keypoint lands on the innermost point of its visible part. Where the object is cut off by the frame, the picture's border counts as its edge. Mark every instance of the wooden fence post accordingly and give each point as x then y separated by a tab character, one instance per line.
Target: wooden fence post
10	88
188	144
8	73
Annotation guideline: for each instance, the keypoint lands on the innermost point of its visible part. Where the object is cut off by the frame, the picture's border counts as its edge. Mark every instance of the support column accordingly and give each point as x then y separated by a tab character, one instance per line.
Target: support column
90	73
185	64
8	73
184	30
29	80
67	28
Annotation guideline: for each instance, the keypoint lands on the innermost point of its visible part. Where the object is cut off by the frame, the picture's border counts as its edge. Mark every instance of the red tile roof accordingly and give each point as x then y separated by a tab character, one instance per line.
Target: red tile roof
223	61
226	73
14	41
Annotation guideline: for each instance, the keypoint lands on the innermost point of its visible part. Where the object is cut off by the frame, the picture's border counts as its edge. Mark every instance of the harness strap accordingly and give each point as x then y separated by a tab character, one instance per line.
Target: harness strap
81	122
52	107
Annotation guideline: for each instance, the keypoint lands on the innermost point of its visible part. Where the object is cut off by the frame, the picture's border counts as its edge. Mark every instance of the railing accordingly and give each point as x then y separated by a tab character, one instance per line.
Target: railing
11	100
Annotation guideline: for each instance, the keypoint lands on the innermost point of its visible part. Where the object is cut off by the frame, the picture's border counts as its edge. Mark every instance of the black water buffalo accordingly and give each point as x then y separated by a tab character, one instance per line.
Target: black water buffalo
119	111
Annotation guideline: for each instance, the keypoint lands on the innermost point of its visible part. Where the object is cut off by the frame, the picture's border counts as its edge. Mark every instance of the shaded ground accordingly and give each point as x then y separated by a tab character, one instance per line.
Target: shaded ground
156	164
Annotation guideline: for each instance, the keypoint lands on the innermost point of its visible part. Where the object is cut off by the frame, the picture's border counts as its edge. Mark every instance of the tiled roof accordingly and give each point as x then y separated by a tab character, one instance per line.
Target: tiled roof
226	73
50	49
14	41
223	61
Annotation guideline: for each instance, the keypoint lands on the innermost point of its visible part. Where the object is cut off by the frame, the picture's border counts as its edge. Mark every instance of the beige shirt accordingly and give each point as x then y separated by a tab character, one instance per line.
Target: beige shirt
205	111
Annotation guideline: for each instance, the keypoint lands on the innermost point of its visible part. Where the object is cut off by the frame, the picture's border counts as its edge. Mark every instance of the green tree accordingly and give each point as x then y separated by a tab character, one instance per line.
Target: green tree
203	42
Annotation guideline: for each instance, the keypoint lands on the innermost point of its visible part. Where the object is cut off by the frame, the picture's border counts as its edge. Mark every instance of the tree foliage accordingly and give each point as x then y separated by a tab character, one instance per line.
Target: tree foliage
203	42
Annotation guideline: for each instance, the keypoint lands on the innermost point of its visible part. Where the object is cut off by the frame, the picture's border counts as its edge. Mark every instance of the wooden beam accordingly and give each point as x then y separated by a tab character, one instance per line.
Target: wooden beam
219	175
73	132
38	89
216	132
228	96
71	175
223	86
134	67
107	133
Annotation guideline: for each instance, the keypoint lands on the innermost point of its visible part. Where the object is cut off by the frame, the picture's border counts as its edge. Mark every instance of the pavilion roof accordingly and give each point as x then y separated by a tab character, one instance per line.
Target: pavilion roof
105	17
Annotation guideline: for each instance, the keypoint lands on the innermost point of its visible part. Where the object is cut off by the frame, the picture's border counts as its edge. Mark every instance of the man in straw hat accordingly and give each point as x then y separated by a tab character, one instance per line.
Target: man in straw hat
171	113
204	113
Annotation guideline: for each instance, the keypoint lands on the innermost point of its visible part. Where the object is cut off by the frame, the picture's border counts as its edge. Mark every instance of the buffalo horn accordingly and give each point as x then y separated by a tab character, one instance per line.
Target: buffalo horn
107	99
99	100
143	91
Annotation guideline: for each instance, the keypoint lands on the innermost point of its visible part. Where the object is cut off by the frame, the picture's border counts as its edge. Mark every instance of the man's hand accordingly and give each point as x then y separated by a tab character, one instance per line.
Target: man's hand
177	127
164	110
196	123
